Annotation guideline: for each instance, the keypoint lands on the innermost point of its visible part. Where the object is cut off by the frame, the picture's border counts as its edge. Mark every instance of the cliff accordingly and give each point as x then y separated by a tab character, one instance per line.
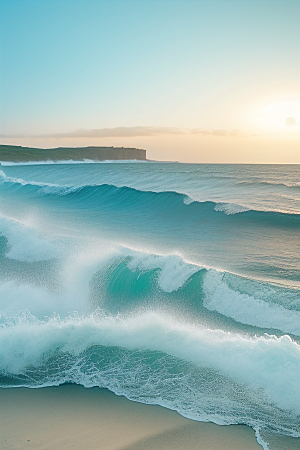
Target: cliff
23	154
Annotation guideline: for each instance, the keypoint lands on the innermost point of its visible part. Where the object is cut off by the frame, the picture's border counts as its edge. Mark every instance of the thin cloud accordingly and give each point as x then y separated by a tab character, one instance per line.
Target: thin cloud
216	132
138	131
122	132
149	131
16	136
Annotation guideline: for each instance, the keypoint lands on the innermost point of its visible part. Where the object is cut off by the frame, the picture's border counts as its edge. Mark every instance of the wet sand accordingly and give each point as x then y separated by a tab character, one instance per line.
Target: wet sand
72	417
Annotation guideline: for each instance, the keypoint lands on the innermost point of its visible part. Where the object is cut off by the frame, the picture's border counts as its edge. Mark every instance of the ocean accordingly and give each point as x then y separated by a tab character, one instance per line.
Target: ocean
169	283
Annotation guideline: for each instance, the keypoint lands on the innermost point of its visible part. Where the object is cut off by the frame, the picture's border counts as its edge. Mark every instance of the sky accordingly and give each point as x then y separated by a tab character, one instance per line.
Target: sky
189	80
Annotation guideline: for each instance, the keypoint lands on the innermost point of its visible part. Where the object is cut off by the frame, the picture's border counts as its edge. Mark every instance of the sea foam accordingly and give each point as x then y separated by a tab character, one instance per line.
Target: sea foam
268	363
247	309
24	242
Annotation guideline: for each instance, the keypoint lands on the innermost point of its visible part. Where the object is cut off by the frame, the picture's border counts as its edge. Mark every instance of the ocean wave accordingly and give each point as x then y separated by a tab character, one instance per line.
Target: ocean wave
137	323
230	208
250	309
118	278
19	181
260	183
71	161
248	360
245	301
151	357
134	197
173	270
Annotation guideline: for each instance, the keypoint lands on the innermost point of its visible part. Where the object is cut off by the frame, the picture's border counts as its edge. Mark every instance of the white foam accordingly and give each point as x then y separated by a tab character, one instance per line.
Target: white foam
79	267
25	242
16	298
246	308
46	188
70	161
59	190
73	293
267	363
174	271
230	208
7	179
188	200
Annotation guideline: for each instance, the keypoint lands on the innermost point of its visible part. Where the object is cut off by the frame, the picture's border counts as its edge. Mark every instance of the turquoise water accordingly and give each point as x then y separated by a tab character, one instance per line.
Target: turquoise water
174	284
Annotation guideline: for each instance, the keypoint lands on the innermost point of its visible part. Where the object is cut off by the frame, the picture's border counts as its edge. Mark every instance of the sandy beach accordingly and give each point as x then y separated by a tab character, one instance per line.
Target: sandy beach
72	417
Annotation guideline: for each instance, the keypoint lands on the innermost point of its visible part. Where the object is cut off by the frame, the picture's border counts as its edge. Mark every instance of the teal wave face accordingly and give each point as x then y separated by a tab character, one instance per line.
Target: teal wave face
255	187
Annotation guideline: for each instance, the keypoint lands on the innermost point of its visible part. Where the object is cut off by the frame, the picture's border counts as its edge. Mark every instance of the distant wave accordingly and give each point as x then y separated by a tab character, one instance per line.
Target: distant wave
259	183
230	208
71	161
133	198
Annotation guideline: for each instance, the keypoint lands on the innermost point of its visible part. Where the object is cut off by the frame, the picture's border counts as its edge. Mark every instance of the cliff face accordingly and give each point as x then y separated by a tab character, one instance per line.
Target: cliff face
25	154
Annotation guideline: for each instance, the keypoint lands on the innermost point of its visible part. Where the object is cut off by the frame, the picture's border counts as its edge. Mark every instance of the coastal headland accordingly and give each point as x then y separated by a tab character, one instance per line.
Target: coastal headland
14	153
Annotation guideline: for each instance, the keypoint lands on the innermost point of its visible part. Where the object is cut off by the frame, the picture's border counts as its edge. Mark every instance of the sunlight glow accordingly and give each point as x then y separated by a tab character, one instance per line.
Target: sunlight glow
279	115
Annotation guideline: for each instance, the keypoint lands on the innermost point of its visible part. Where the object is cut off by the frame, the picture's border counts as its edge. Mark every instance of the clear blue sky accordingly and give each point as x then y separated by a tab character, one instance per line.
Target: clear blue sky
70	65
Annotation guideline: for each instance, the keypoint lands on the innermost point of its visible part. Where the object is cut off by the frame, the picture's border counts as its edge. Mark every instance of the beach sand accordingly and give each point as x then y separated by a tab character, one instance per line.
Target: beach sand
72	417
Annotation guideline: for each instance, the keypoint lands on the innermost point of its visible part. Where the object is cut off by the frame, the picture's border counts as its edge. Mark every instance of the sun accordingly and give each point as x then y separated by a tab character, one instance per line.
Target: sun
283	115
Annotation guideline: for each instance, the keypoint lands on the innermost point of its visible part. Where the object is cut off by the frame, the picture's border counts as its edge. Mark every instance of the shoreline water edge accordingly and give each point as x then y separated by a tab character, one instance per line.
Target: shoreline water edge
71	416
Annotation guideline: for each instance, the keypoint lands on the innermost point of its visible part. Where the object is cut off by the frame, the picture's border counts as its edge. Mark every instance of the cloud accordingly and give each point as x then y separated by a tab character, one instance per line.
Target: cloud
122	132
290	121
138	131
16	136
148	131
216	132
